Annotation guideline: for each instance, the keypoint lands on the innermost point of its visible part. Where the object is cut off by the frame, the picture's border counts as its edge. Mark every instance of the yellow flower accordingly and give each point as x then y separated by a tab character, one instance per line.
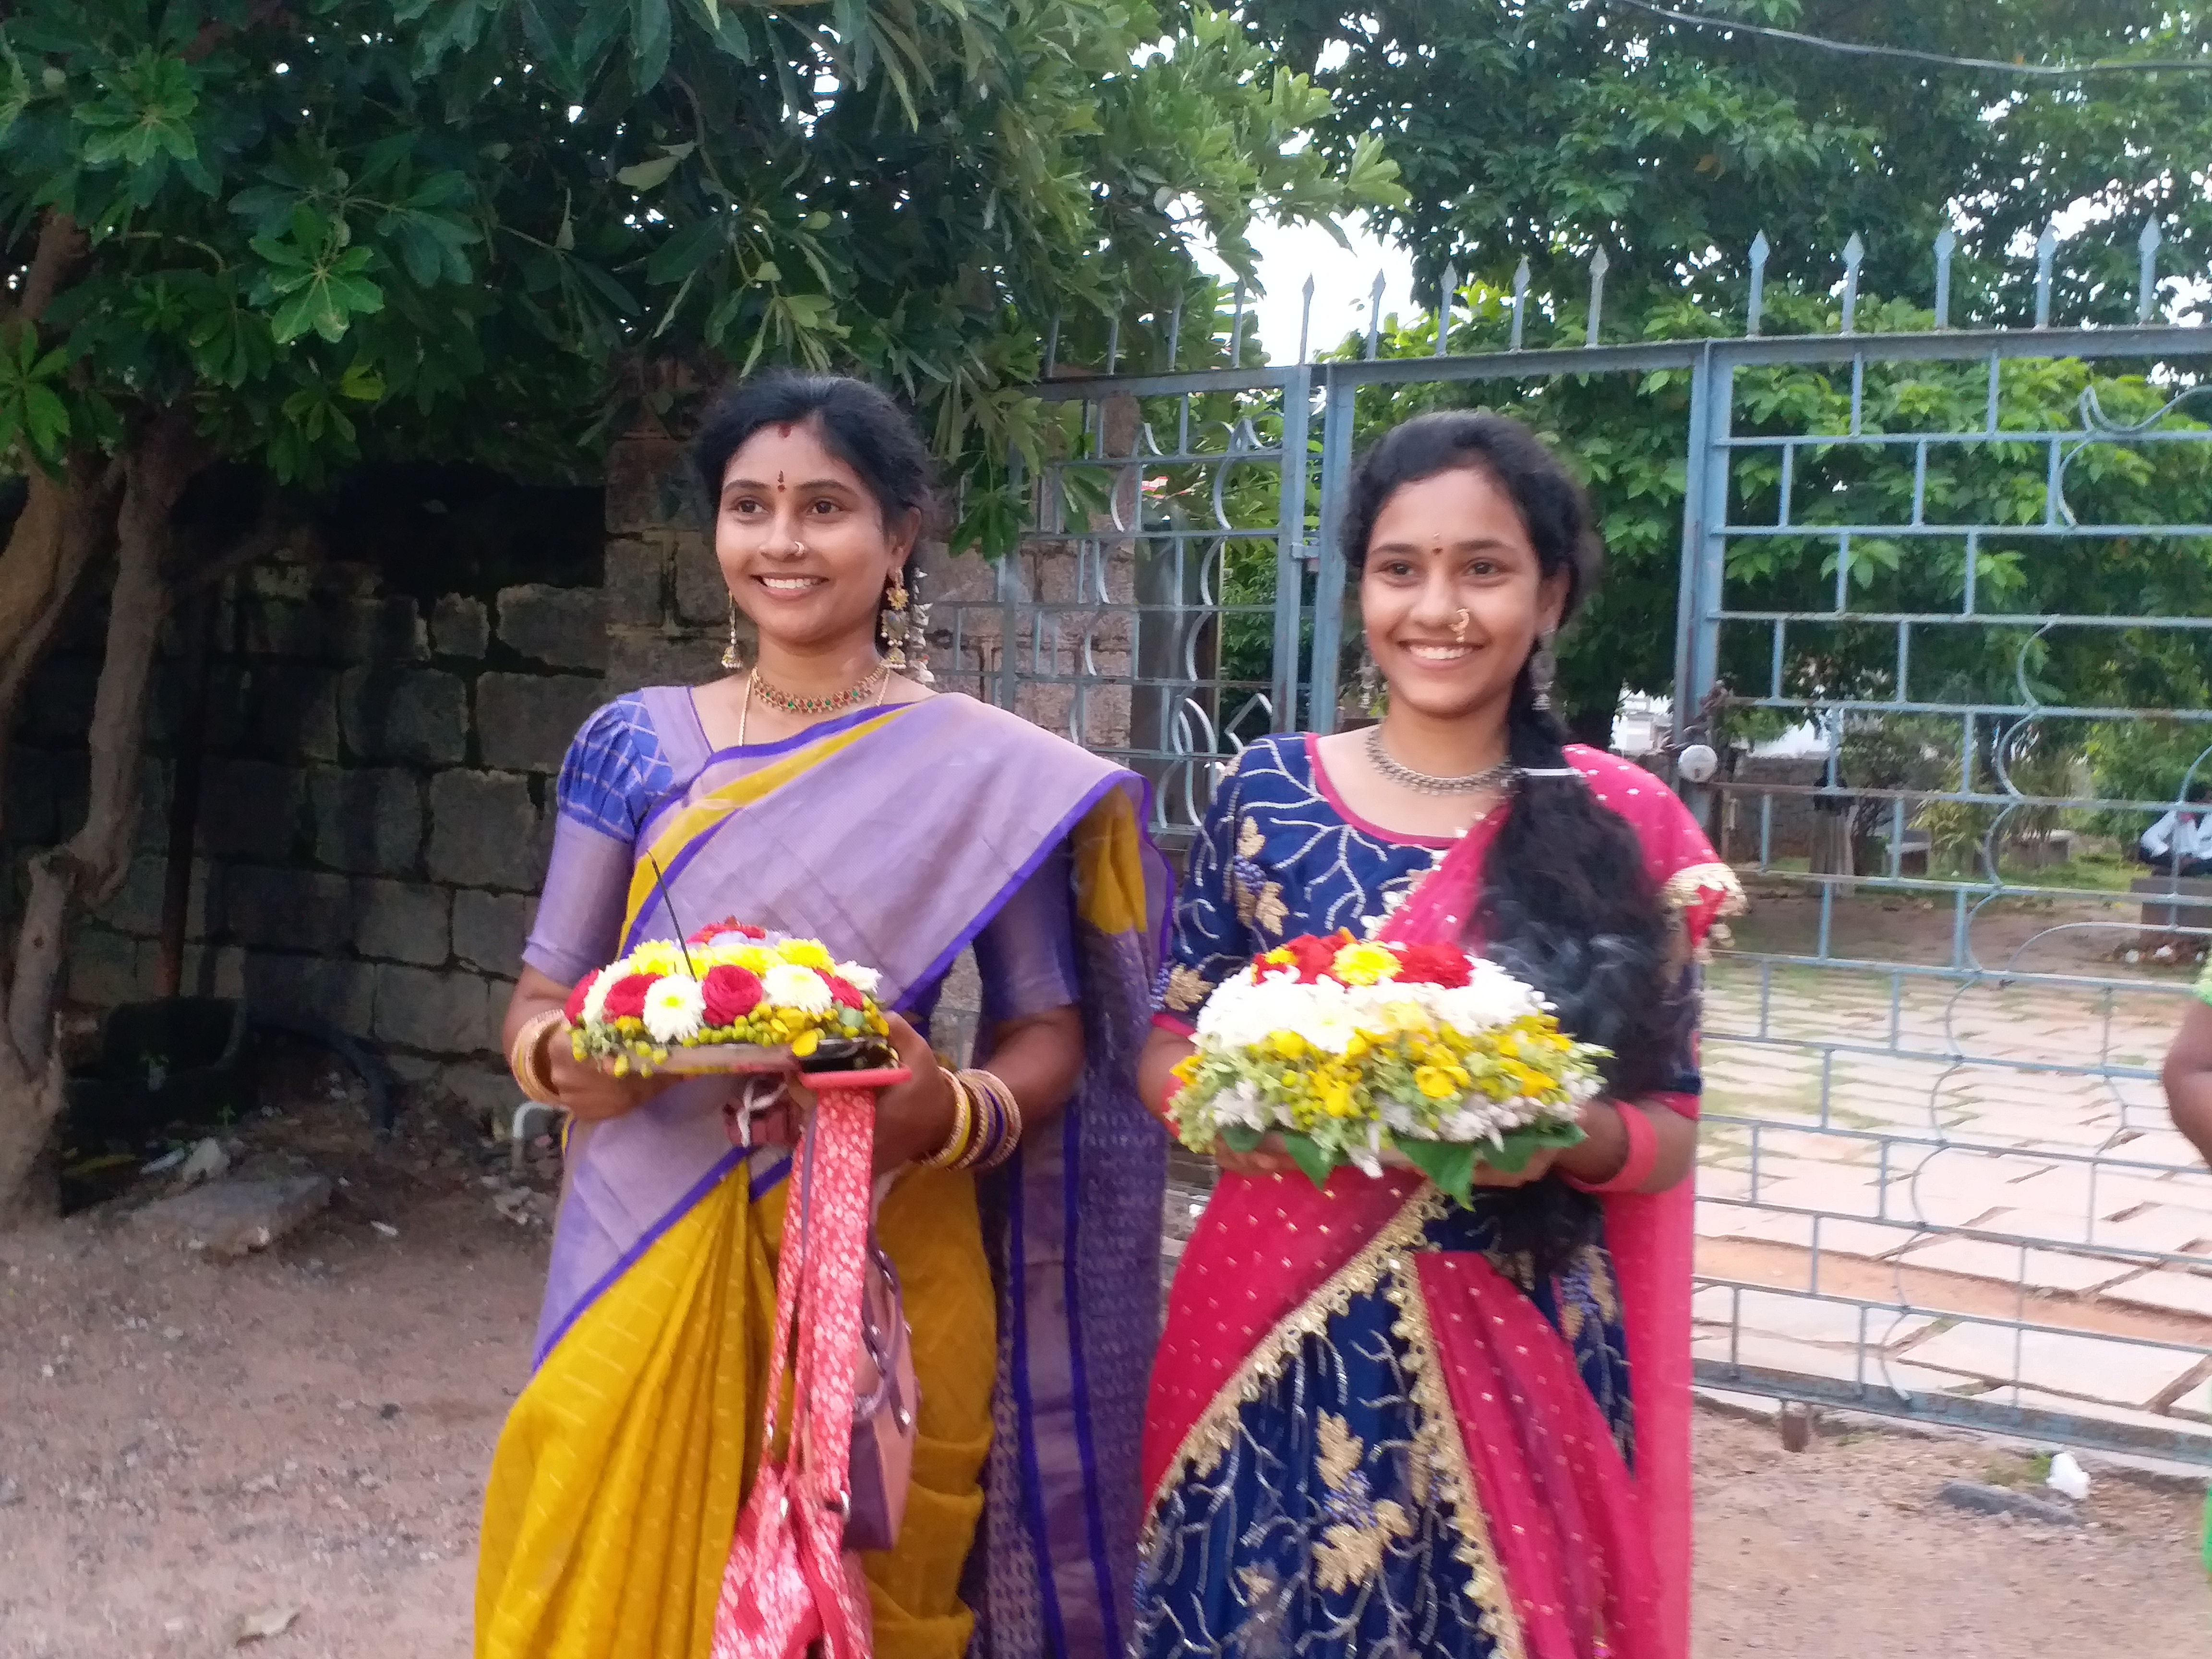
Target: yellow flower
1287	1045
806	953
805	1043
1364	964
1434	1082
1333	1093
656	956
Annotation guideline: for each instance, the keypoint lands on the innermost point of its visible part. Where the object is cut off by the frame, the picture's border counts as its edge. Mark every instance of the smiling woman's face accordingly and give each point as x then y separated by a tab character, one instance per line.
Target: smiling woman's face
1453	597
802	541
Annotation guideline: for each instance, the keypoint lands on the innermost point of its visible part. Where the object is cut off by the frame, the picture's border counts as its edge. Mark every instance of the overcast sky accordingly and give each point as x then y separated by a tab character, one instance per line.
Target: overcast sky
1341	283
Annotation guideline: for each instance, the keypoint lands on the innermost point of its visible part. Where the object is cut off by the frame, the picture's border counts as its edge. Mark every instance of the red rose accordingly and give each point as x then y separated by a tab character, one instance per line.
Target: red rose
1314	958
730	994
1433	964
574	1008
626	998
842	992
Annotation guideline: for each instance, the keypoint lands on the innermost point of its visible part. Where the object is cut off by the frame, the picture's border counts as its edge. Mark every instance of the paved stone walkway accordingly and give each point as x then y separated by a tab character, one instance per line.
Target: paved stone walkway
2043	1237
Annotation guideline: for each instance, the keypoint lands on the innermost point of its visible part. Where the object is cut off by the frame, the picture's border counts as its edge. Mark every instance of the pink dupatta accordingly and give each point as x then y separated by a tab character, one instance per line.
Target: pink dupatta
1592	1562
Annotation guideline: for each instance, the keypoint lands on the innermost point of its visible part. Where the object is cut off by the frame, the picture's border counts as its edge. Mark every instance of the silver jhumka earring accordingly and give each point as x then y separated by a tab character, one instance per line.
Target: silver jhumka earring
1374	695
1543	669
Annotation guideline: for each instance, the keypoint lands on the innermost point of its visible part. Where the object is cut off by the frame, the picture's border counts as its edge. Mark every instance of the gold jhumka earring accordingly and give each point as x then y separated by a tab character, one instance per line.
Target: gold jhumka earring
732	659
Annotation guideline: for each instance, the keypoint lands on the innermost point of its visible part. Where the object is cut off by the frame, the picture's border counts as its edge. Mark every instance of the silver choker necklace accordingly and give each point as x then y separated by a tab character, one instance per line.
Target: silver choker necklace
1499	776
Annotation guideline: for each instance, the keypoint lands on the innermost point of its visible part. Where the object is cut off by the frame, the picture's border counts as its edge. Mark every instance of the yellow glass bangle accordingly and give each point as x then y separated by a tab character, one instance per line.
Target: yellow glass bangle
963	1126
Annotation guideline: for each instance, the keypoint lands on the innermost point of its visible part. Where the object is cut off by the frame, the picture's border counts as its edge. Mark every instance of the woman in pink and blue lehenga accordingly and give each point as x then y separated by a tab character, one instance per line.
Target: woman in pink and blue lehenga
1381	1423
822	794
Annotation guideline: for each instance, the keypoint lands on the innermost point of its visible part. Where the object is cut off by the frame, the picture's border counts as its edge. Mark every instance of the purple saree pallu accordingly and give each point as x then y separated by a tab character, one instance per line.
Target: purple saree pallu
895	836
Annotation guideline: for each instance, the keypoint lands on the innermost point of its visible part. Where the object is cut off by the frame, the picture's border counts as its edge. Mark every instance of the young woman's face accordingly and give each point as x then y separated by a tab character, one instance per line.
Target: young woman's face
801	541
1453	598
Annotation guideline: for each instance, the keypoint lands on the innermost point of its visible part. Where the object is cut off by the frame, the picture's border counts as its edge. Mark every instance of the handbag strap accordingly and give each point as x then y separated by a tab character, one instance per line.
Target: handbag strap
829	1327
790	1266
819	1285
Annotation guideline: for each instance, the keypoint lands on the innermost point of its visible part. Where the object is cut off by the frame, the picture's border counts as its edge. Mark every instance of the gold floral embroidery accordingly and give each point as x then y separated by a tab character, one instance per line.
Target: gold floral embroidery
1211	1436
1438	1442
1249	839
1186	989
1362	1527
1341	1449
1269	910
1601	1284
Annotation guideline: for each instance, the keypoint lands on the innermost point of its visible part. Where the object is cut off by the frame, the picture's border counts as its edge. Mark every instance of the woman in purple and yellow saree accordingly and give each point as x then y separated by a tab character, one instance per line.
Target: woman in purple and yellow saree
901	833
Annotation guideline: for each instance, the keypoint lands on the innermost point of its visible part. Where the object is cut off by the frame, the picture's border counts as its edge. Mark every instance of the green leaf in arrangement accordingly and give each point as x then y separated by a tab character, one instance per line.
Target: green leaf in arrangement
1242	1137
1448	1164
1317	1163
1512	1155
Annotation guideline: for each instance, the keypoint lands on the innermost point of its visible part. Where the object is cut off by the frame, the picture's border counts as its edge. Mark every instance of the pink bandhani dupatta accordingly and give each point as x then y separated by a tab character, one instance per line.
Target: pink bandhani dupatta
1595	1564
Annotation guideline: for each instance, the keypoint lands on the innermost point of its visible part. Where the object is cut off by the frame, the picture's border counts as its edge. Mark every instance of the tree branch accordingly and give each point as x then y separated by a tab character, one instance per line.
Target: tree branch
158	464
61	243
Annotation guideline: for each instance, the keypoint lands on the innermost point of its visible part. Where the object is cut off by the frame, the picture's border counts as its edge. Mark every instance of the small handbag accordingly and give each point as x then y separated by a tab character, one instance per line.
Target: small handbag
885	1401
792	1586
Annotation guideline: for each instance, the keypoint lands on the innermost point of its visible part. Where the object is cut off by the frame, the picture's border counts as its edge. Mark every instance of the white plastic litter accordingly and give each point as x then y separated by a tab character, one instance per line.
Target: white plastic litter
2068	1478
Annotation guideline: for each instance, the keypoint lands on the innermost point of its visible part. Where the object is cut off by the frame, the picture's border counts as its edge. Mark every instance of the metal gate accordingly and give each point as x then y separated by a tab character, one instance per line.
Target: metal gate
1936	1180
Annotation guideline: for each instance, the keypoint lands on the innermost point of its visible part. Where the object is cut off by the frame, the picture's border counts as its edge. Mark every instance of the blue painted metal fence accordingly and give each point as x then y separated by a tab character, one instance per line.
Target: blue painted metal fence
1937	1179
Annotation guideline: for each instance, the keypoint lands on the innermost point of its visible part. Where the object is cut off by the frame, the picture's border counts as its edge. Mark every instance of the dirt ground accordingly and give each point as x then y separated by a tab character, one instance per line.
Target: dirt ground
185	1447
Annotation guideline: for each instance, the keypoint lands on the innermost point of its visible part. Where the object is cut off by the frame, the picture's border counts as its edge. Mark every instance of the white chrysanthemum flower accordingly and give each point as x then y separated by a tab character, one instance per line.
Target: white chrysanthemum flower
863	980
673	1008
595	999
1243	1105
789	986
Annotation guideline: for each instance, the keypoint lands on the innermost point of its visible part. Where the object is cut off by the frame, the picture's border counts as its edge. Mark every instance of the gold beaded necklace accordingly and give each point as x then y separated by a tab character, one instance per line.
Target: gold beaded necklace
851	696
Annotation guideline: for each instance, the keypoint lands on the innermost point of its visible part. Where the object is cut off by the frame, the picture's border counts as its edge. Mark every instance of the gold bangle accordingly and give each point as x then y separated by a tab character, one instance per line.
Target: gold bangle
527	1061
964	1126
1005	1136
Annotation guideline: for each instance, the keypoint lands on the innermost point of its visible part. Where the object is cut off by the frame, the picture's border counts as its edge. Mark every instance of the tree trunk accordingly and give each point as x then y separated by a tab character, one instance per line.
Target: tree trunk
91	864
65	521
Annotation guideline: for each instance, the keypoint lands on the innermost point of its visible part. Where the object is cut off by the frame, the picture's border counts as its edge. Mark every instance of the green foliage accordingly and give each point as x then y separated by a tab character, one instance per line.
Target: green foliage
916	189
284	229
507	227
1547	129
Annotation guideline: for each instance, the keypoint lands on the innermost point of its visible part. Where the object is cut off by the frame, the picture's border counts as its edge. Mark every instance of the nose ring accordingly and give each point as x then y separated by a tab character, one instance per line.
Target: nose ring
1460	622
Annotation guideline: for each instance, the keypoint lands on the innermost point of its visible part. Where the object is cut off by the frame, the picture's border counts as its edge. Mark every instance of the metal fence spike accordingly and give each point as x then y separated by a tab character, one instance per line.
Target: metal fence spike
1305	316
2146	275
1237	330
2046	249
1052	346
1174	333
1759	250
1599	266
1947	243
1450	288
1375	318
1520	301
1854	257
1114	341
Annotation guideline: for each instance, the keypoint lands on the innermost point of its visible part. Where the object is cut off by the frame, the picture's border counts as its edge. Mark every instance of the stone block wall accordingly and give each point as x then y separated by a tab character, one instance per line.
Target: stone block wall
388	704
377	770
